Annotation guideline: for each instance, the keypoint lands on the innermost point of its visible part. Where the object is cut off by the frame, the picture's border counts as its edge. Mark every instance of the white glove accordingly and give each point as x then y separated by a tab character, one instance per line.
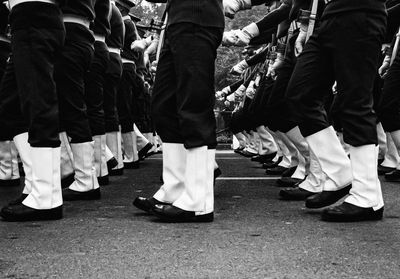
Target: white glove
334	88
231	7
385	67
146	58
153	67
270	70
240	93
141	45
231	98
239	68
277	64
240	37
224	92
221	99
251	91
257	81
301	40
152	48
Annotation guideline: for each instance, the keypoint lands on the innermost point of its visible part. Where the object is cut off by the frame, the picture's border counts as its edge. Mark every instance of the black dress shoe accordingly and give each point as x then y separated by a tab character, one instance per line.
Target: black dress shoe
393	176
22	213
237	150
10	182
21	169
103	180
19	200
132	165
278	170
271	164
289	172
295	194
217	173
149	154
71	195
247	153
326	198
112	163
116	172
67	181
147	204
142	152
173	214
347	212
288	181
383	170
263	158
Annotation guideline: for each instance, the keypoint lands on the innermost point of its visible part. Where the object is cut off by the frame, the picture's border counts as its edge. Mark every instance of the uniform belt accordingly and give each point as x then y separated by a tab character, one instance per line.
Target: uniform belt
77	19
100	38
114	50
13	3
124	60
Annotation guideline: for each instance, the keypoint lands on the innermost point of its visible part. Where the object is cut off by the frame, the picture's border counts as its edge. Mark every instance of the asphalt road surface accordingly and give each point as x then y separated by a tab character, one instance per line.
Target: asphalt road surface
254	235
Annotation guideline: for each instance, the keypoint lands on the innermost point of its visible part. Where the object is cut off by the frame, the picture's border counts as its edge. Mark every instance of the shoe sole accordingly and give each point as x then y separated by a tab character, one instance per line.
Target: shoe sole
84	197
117	172
344	218
291	198
138	206
327	202
196	219
39	217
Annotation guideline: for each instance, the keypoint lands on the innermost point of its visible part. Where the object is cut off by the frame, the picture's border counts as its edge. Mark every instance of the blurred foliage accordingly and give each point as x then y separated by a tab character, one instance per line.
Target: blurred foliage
148	11
230	56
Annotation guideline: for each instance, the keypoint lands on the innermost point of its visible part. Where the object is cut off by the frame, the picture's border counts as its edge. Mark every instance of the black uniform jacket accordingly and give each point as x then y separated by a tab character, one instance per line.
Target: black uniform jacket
207	13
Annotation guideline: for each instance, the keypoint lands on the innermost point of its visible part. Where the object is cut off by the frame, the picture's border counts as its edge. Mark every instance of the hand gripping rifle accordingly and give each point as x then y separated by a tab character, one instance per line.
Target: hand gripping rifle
396	47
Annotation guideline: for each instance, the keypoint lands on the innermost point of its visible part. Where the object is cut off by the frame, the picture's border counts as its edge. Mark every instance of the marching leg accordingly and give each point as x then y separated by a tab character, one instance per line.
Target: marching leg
85	186
173	173
129	144
8	176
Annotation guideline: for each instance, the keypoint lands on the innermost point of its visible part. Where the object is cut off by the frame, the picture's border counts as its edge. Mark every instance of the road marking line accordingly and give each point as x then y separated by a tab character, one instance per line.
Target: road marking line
224	152
249	178
218	158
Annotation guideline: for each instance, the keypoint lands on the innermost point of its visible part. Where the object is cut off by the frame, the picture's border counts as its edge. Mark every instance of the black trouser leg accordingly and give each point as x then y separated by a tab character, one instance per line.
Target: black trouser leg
5	51
125	98
111	82
342	49
94	81
308	88
278	114
12	121
389	106
34	49
355	62
183	95
70	70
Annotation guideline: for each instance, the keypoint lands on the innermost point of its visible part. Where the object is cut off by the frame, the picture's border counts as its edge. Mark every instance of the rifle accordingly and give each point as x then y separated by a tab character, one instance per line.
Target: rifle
313	18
